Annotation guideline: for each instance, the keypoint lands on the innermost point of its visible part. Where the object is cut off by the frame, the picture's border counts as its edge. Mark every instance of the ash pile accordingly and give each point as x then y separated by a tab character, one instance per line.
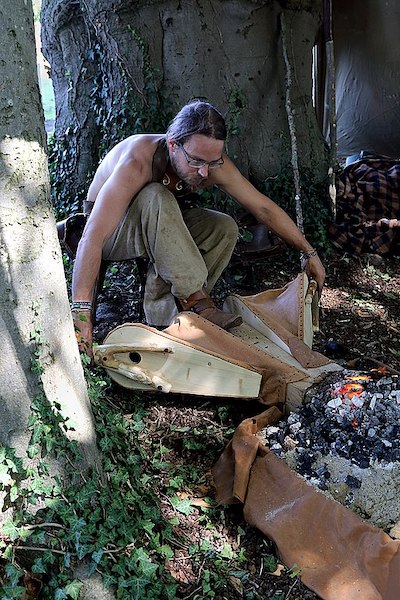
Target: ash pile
345	441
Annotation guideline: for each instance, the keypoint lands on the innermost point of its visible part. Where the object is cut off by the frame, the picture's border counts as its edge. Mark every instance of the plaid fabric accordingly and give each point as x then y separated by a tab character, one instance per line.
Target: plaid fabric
367	191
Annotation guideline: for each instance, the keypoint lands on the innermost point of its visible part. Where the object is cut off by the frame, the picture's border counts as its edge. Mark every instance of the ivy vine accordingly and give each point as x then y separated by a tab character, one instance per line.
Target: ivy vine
114	526
130	112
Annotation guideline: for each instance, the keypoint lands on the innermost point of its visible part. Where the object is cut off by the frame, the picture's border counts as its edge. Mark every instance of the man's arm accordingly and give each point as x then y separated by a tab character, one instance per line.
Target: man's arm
268	213
127	179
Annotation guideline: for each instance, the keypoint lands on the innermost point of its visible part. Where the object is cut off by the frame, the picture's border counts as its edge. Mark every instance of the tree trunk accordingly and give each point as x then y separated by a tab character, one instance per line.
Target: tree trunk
39	351
121	61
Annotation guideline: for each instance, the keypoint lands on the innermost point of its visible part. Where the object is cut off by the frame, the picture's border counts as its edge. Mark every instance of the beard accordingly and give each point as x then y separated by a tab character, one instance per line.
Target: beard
191	179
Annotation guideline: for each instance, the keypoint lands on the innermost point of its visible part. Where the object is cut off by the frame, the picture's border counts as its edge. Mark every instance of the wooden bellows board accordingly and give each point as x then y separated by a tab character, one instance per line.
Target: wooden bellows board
268	357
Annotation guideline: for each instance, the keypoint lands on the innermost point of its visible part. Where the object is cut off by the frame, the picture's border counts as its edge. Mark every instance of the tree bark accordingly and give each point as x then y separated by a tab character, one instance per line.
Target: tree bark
39	350
229	52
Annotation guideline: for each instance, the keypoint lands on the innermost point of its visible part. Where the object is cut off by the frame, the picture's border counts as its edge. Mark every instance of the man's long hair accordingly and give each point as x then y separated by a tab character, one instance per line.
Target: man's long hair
197	117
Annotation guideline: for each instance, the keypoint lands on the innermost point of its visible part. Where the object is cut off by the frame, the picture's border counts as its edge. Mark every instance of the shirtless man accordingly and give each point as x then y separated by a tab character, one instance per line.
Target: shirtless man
137	208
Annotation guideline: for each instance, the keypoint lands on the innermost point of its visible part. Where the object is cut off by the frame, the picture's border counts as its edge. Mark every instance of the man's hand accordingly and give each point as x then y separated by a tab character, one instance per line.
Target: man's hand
83	330
315	270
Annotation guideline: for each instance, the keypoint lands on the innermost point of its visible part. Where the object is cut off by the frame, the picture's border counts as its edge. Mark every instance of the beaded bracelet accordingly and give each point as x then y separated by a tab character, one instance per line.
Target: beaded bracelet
81	306
307	255
304	256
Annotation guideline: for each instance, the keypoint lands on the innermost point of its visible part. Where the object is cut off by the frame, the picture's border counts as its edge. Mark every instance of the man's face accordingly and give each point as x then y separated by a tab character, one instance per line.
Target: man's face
198	149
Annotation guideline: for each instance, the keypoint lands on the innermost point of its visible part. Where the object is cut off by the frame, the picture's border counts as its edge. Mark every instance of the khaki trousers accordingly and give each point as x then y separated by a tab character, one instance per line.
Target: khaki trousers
188	249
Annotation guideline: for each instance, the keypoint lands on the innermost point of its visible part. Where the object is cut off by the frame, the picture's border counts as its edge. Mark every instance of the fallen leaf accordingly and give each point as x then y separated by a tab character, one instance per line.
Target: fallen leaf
393	328
364	314
183	495
278	571
236	584
395	352
195	501
33	584
202	490
201	502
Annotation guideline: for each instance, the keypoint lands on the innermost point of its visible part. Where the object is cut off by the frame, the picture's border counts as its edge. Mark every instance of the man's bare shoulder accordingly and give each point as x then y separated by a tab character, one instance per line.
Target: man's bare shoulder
130	158
140	140
139	147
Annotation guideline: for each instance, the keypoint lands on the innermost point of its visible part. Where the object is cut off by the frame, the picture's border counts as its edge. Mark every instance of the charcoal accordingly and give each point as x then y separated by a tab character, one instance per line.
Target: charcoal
277	449
323	471
361	460
353	482
342	437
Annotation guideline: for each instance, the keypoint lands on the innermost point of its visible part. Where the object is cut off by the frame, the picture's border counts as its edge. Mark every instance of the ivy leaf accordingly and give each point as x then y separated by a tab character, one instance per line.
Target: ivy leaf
10	530
146	567
14	574
148	526
97	555
73	589
12	592
12	465
81	550
67	559
32	450
5	478
14	493
137	588
182	506
270	563
166	551
39	566
227	551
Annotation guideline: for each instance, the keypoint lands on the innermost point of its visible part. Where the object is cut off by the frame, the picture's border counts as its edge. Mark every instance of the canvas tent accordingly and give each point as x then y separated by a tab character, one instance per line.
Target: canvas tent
367	65
357	104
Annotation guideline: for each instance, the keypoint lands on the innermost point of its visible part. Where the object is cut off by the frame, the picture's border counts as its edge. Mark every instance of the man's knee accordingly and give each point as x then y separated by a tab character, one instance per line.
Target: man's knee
231	228
154	196
225	227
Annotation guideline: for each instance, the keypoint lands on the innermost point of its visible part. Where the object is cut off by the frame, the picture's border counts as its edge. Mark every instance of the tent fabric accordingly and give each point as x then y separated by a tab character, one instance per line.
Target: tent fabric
367	63
339	556
368	206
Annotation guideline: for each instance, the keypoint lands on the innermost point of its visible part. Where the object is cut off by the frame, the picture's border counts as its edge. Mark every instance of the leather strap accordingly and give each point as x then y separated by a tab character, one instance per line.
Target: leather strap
160	161
202	304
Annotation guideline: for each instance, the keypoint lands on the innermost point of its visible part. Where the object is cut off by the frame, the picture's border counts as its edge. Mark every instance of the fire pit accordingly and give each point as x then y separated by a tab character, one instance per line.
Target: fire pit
345	441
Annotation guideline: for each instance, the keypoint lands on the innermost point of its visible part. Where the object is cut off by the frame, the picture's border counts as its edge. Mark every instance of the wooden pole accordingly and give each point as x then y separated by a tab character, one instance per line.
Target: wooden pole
330	101
292	128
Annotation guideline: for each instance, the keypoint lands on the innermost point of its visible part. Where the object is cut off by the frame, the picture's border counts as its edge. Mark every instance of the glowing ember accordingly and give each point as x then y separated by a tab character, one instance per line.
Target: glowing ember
358	378
348	395
350	390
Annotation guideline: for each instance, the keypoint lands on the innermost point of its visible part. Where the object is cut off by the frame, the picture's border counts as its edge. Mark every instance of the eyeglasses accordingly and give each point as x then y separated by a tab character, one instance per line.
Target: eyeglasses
197	163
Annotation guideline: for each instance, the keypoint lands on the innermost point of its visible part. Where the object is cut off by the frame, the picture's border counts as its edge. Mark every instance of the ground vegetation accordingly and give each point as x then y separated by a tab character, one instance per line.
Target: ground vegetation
162	522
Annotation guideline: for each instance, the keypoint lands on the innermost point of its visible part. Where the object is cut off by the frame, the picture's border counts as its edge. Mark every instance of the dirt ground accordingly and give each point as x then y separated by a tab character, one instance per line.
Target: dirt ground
359	321
359	307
